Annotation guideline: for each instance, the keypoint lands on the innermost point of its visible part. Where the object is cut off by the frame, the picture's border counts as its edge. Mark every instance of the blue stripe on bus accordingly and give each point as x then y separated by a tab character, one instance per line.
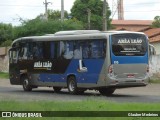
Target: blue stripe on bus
94	67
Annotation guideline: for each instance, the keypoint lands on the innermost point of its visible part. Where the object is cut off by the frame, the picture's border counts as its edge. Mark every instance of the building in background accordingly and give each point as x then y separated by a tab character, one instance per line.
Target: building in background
140	26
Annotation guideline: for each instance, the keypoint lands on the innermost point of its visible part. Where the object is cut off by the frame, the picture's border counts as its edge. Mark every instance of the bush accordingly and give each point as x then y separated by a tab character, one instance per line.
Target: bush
41	27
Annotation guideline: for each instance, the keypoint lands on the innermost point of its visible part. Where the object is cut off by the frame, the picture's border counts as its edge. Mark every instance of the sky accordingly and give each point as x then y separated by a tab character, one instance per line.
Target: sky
12	10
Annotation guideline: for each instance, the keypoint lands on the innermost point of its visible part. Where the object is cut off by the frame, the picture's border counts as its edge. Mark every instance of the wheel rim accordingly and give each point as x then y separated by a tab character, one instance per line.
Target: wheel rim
72	85
25	83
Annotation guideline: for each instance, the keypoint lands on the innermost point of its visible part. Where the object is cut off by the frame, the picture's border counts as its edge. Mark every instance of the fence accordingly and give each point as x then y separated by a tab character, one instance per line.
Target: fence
4	64
4	59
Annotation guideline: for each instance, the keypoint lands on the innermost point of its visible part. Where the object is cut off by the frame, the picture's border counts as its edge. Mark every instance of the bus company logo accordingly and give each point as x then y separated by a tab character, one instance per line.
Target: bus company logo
125	41
43	65
6	114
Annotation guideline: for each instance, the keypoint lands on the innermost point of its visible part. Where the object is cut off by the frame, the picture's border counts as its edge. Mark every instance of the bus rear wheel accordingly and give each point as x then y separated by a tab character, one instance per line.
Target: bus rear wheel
72	85
26	85
107	91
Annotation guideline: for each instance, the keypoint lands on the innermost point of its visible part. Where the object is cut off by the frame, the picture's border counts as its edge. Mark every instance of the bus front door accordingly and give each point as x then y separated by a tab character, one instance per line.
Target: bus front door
14	72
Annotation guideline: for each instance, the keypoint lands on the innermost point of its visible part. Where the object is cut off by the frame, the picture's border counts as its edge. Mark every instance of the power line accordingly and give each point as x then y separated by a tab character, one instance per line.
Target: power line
46	5
142	11
137	4
5	5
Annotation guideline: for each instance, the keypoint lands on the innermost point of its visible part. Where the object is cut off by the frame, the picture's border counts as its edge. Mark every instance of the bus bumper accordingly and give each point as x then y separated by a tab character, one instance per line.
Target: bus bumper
123	83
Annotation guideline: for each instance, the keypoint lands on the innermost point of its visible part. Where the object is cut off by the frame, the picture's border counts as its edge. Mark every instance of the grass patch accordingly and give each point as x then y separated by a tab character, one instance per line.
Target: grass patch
155	78
155	81
4	75
86	105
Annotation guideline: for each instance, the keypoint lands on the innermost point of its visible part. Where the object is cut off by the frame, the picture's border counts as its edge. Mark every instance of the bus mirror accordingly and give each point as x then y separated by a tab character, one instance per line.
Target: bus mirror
81	67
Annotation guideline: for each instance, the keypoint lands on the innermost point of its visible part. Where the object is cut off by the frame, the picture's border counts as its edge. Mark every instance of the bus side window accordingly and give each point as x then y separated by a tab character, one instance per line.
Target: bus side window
62	49
55	50
87	49
68	50
104	48
38	50
28	54
93	49
22	52
77	54
97	49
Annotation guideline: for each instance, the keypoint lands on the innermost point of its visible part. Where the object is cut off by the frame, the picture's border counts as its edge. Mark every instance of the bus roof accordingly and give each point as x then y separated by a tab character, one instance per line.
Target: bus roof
121	32
73	35
65	35
76	32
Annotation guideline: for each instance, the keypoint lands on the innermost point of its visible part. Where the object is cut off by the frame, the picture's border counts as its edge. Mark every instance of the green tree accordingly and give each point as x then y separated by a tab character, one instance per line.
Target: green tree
5	32
156	22
6	43
41	27
79	11
56	14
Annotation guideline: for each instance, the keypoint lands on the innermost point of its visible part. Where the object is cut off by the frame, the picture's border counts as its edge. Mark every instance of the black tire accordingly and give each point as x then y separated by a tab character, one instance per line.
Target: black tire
72	85
106	91
26	85
57	89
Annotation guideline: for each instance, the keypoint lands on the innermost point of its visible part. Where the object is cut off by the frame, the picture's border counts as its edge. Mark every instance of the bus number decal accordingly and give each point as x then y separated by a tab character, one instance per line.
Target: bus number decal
116	62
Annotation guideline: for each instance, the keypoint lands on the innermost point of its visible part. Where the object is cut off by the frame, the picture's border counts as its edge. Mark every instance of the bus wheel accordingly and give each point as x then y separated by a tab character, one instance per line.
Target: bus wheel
57	89
106	91
26	86
72	85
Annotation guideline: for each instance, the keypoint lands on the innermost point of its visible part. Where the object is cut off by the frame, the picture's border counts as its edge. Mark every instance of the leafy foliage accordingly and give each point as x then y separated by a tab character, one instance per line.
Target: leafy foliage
79	11
156	22
56	14
40	27
6	43
5	32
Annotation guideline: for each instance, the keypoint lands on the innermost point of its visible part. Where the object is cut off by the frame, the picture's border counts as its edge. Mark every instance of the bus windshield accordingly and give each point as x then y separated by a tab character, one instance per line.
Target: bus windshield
129	44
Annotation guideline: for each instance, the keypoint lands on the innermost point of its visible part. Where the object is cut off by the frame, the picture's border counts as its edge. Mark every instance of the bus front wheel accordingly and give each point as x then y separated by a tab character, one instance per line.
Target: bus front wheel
106	91
72	85
26	86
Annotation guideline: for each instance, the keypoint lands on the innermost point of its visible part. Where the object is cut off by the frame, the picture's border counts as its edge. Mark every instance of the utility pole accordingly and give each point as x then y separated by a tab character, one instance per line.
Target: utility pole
62	10
89	18
117	6
120	10
104	15
46	5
